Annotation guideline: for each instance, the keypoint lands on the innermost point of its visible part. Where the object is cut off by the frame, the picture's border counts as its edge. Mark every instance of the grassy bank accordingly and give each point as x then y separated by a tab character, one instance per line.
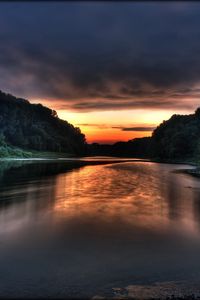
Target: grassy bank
10	152
14	152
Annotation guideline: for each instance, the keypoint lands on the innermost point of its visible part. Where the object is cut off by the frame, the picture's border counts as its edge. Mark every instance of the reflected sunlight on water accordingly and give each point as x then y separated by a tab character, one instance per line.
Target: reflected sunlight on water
93	228
143	194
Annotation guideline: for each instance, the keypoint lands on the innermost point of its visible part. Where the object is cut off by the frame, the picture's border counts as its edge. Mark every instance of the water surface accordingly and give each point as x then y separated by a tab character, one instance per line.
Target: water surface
69	231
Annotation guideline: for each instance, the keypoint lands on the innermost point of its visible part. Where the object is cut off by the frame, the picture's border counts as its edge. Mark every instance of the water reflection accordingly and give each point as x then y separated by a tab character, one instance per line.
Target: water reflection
94	227
145	194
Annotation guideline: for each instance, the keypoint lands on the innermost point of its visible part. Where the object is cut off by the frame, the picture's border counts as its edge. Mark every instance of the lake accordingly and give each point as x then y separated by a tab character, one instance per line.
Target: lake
70	231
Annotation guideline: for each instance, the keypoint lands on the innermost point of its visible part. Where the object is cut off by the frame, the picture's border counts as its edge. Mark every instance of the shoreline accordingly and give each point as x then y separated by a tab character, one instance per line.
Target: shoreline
100	160
158	290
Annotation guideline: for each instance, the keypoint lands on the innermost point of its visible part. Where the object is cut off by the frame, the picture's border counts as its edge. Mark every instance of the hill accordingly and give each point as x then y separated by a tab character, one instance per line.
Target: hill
36	127
178	137
175	139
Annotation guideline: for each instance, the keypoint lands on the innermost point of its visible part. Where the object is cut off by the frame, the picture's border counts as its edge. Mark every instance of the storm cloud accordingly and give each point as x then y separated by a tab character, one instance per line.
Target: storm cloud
102	56
121	127
136	128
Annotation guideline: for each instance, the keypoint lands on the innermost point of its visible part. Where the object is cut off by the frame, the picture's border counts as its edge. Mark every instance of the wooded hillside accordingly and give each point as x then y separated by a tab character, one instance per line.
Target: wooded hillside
36	127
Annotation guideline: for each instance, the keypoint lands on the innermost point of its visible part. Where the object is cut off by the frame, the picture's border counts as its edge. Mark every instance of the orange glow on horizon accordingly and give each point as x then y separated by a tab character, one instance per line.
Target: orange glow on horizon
98	126
110	135
106	126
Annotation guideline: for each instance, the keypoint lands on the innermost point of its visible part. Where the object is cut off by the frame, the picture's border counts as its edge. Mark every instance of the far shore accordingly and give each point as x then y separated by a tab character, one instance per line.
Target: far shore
14	154
101	160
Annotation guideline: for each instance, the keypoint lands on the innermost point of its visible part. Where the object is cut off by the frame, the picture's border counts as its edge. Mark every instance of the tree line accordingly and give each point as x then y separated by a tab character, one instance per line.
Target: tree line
176	138
36	127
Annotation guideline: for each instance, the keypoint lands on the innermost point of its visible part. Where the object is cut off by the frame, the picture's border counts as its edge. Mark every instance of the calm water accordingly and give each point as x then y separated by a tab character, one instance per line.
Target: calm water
80	232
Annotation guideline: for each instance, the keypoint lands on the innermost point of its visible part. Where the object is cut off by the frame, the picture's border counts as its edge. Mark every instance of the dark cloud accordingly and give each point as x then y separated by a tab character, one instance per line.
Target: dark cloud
97	56
120	127
139	128
132	104
99	126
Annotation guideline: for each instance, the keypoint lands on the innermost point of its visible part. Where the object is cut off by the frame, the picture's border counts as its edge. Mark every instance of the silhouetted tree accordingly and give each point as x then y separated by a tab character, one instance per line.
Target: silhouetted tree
36	127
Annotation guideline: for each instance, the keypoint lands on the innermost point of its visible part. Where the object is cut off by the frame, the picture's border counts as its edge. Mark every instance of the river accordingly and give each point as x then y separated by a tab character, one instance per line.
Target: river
73	232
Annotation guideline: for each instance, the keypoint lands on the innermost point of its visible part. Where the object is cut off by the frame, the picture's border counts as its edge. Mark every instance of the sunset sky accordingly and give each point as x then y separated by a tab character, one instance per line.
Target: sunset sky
116	70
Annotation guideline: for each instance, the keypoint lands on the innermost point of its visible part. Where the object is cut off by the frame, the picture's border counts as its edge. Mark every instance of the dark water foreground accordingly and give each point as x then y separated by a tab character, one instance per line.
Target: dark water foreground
73	231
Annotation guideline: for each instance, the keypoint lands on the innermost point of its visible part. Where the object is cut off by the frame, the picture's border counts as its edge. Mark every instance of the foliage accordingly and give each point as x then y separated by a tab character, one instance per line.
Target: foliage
35	127
6	151
179	137
139	147
174	139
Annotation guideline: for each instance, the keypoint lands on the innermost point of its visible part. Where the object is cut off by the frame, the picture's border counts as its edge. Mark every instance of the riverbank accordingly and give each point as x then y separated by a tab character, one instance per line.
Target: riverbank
10	152
13	153
192	162
101	210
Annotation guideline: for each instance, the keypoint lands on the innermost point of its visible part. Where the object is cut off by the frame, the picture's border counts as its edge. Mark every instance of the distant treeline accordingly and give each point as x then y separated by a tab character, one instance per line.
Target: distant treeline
36	127
25	127
176	138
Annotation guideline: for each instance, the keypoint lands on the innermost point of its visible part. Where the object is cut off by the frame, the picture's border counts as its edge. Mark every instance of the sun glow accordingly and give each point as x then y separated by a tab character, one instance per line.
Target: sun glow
108	126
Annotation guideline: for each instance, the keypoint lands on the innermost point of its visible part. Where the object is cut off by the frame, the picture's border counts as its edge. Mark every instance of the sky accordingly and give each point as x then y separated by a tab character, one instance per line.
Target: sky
116	70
